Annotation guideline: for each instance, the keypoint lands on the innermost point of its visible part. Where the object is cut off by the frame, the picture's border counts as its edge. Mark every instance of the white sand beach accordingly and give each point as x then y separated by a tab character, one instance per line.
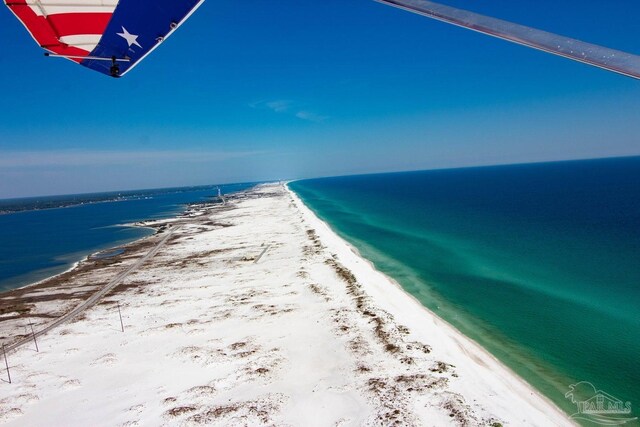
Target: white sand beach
252	313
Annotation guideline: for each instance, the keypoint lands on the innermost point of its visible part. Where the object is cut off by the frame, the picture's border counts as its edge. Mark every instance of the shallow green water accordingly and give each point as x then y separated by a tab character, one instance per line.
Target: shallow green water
540	264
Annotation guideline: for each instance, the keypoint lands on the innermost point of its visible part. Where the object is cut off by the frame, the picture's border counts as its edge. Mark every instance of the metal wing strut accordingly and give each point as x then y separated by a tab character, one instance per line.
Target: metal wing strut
609	59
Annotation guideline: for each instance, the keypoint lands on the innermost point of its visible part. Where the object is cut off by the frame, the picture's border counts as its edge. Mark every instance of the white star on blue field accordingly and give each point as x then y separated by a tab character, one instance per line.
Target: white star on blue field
262	90
131	39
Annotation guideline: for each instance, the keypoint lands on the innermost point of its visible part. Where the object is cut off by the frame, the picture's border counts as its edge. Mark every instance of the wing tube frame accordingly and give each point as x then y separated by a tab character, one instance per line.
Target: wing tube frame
598	56
95	58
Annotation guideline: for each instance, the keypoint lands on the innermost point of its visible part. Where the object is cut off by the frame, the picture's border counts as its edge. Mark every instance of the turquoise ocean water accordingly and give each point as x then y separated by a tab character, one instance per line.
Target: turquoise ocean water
539	263
43	236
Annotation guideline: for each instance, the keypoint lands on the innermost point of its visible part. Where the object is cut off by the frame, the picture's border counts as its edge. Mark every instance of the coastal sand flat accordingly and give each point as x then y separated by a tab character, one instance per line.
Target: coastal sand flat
253	313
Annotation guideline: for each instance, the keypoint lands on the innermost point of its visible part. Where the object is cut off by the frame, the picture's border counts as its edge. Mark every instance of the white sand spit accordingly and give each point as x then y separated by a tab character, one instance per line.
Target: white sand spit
253	313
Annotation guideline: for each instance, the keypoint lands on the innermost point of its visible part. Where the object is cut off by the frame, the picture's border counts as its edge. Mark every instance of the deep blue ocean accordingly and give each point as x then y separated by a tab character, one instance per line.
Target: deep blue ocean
43	236
539	263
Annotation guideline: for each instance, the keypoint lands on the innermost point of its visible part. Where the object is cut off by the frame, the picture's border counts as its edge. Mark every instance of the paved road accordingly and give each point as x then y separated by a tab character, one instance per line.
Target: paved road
99	294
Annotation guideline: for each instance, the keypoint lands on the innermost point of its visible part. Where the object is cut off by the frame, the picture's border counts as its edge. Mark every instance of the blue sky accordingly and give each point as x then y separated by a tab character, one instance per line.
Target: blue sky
283	89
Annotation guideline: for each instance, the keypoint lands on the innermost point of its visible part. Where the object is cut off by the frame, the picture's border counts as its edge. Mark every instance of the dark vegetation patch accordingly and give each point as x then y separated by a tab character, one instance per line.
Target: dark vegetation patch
218	224
316	246
201	390
394	399
418	346
440	367
359	346
180	410
246	297
136	285
197	259
319	290
363	369
79	318
20	308
387	333
457	411
252	412
238	345
271	309
214	413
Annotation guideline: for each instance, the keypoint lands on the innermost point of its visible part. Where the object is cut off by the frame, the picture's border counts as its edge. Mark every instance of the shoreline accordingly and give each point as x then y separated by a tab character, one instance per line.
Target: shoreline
142	224
38	282
26	280
452	330
255	312
85	258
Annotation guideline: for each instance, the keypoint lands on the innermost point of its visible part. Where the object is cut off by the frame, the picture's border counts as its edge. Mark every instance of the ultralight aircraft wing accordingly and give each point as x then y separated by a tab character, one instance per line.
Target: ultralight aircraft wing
609	59
112	36
108	36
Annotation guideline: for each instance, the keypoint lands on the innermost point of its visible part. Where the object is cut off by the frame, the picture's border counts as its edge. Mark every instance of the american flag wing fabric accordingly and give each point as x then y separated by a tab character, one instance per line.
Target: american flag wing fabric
108	36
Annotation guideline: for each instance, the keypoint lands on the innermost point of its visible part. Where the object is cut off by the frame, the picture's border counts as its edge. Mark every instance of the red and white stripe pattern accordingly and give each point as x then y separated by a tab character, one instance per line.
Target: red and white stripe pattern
65	27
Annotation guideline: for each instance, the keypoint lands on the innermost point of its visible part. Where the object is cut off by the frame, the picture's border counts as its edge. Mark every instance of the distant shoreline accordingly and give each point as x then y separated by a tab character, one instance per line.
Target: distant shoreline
42	264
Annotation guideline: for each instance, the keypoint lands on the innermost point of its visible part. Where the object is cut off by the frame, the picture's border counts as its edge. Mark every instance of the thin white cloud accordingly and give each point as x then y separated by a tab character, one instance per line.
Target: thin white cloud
23	159
289	107
311	116
279	106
